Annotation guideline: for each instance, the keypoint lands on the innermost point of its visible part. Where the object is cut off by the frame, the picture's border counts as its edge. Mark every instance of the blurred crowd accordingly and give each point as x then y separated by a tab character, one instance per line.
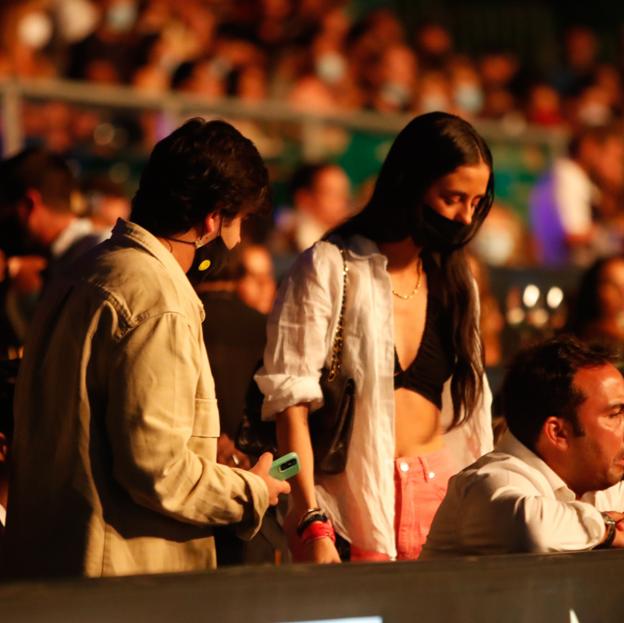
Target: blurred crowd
318	55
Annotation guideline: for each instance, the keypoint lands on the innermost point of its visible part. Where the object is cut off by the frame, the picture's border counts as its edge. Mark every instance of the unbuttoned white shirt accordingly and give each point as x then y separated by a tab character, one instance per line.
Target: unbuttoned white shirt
300	332
510	501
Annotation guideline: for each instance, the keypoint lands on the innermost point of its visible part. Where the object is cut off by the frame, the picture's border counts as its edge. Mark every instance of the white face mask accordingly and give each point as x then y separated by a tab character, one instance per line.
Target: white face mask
331	67
76	19
122	16
495	245
35	30
469	97
431	102
396	94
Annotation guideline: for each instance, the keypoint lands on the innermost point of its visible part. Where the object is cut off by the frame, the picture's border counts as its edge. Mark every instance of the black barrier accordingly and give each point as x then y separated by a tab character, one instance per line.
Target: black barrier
583	588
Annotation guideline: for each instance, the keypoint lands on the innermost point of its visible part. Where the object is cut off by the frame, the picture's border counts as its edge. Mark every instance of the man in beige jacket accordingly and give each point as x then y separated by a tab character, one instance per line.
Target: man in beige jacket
114	457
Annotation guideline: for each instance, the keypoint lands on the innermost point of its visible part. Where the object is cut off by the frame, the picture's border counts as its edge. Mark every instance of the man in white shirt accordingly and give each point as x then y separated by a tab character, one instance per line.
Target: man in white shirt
554	481
564	202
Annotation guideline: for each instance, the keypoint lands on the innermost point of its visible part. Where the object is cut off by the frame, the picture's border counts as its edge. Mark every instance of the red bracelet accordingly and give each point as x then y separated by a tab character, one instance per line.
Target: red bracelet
318	530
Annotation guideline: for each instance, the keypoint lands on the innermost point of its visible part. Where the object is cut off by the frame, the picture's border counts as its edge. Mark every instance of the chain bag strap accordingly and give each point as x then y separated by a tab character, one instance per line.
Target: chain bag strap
336	358
332	424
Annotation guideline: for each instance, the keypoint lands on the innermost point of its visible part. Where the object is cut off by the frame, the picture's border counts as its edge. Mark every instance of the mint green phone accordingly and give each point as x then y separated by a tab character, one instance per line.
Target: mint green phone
285	467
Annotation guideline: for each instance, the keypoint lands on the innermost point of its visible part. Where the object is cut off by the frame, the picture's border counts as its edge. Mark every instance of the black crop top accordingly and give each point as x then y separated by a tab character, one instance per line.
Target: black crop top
433	363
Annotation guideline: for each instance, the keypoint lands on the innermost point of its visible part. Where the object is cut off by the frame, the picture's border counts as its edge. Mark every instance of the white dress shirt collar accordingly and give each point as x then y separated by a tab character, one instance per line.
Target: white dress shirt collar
510	445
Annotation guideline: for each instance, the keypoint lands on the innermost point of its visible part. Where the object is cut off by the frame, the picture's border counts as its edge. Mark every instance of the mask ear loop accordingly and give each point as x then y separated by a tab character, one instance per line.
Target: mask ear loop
200	241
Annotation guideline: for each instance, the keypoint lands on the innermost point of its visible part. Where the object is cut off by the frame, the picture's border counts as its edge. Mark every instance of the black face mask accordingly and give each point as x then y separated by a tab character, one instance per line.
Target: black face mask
209	260
439	233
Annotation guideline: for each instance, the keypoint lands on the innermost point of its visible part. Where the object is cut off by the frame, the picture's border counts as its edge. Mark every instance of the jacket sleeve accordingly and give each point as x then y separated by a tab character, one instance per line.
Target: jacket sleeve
163	434
300	329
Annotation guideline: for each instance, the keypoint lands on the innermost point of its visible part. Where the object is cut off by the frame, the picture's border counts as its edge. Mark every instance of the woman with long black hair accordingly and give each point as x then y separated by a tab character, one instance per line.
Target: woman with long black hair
411	344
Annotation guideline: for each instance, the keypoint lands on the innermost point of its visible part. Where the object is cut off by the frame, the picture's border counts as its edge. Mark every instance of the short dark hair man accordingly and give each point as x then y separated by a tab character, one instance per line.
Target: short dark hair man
114	469
554	481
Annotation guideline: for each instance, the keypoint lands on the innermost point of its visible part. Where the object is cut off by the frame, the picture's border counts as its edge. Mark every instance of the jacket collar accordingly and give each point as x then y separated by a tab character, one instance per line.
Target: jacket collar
127	231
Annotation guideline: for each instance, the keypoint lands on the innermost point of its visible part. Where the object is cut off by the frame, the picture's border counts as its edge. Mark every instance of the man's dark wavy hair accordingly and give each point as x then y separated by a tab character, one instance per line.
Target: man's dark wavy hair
539	383
200	168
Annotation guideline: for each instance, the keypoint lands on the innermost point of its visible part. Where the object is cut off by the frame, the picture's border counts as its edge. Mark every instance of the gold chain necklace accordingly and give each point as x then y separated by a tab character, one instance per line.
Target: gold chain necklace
407	297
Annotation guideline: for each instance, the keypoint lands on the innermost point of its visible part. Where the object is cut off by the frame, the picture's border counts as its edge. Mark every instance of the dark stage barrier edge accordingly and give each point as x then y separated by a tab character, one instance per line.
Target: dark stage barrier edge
584	587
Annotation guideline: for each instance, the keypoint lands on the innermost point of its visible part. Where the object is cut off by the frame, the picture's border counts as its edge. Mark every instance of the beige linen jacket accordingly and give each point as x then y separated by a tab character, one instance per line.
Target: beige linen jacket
114	456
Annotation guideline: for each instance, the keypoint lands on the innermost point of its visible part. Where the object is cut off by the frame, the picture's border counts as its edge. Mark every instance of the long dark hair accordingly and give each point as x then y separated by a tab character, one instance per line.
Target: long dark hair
429	147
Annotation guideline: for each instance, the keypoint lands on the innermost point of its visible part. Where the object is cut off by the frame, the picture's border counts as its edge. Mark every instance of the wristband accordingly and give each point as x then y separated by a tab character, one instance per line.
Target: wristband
310	518
318	530
309	511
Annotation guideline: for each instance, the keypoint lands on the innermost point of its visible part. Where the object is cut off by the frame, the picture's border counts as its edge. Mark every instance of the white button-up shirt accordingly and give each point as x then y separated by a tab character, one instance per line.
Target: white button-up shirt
512	501
300	331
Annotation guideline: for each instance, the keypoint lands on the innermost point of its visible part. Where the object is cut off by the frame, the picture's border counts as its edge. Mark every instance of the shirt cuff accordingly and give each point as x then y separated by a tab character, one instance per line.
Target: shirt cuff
282	391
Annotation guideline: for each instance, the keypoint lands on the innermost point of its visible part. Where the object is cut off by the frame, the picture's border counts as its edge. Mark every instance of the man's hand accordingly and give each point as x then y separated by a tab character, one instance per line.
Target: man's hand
261	468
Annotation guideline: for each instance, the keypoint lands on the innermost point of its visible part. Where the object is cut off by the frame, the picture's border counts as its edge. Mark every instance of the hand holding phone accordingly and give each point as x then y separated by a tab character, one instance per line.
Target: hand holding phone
285	467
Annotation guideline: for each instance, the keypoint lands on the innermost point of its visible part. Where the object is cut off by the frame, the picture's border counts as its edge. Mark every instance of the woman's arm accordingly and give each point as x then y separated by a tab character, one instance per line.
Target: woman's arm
293	434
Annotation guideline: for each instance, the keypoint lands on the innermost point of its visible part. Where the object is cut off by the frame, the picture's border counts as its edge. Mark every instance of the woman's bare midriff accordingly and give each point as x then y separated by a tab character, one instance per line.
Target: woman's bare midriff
417	424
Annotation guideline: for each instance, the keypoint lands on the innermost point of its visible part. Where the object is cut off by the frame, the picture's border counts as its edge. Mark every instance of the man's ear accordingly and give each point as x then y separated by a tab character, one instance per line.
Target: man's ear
556	432
31	200
212	224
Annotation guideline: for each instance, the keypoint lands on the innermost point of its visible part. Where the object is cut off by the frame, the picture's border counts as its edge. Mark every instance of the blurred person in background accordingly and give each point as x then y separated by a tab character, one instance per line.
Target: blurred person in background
504	239
321	199
411	344
579	61
544	106
466	86
256	286
434	46
395	76
434	92
565	203
598	310
41	189
498	70
106	202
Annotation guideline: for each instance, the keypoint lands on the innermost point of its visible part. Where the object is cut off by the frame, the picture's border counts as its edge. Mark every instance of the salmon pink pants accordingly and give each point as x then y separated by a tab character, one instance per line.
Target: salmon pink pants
420	486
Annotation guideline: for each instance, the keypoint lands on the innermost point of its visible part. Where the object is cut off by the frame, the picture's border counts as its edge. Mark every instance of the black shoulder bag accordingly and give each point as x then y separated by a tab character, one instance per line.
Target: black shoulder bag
330	426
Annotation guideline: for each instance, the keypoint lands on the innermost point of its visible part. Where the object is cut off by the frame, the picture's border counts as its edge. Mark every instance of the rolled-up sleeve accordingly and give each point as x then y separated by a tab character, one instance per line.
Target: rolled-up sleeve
300	329
163	436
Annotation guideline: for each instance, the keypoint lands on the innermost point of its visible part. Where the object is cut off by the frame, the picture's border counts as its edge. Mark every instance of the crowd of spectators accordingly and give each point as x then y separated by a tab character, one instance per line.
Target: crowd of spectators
320	56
